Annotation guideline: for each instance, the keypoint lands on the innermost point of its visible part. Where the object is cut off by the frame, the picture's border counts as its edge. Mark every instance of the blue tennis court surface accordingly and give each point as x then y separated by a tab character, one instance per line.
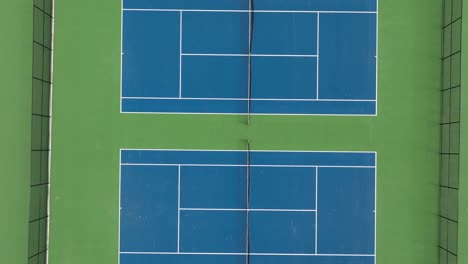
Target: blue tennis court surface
305	57
242	207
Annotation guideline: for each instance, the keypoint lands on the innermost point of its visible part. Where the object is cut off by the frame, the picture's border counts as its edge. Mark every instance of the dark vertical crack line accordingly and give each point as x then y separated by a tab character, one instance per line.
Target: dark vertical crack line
247	232
251	30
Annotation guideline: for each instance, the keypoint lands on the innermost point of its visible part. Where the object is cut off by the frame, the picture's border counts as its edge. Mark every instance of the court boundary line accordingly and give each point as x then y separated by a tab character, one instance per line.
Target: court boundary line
244	254
375	207
235	165
260	150
121	109
376	57
242	114
246	99
376	113
121	56
120	201
246	11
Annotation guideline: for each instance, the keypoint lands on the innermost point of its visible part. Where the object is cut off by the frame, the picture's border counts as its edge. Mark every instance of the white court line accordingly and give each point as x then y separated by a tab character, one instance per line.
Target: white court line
376	112
248	210
236	165
316	210
377	58
120	199
178	210
241	114
180	55
246	99
251	55
243	254
247	11
121	56
318	54
375	209
253	151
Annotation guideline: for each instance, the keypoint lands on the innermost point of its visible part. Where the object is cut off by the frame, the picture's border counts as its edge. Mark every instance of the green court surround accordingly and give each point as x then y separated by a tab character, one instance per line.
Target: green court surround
88	131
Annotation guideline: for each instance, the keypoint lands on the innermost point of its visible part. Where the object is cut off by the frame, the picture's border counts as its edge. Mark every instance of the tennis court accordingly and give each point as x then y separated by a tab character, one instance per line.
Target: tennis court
211	206
219	57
